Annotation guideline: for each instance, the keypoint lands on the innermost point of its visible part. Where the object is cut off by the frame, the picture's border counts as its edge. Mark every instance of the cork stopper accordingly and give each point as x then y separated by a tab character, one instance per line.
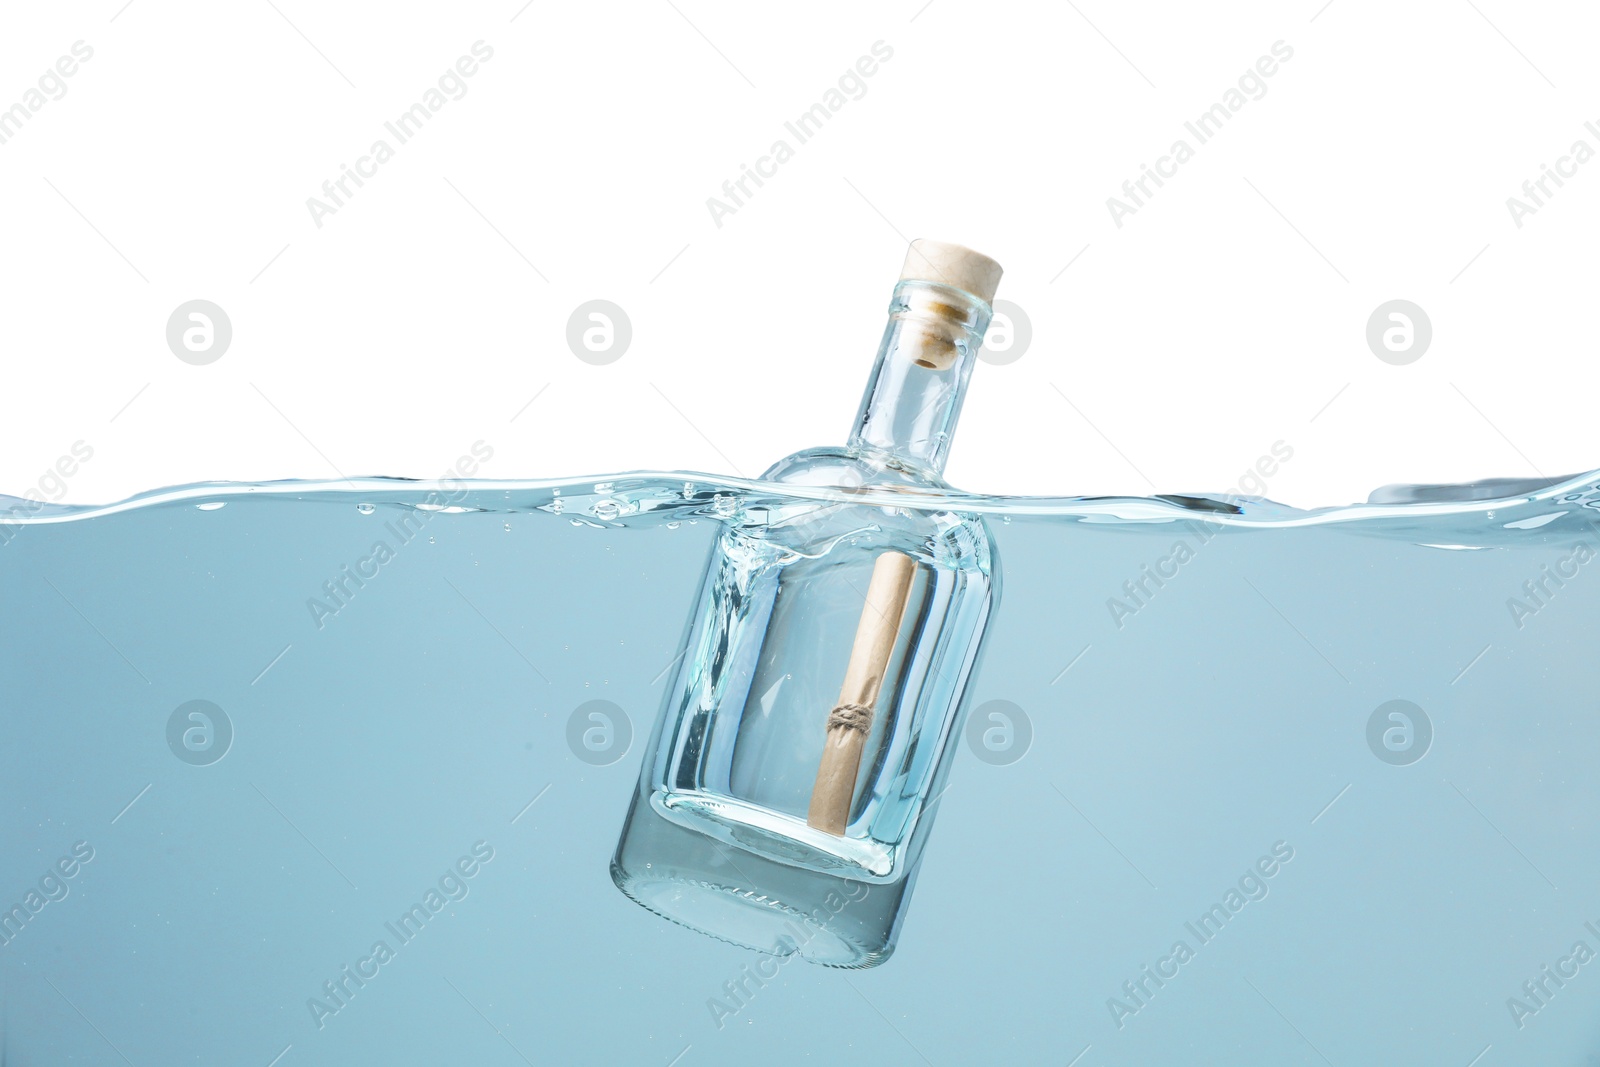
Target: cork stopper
941	327
952	265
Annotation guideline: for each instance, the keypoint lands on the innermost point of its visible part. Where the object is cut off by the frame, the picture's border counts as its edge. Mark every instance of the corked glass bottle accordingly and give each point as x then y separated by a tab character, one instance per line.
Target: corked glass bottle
789	785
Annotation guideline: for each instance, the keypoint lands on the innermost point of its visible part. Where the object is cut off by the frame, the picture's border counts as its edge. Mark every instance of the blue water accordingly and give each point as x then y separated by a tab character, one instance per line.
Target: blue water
1210	757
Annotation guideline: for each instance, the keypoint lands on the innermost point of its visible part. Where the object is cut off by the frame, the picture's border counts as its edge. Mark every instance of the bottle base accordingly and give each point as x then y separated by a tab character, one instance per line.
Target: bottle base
751	900
749	920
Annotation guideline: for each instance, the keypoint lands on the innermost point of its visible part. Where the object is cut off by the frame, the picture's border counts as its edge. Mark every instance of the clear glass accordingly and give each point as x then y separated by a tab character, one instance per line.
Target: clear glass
717	836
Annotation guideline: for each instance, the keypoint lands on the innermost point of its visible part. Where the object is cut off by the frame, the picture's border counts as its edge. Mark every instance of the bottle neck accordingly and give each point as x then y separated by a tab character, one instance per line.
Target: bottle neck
919	379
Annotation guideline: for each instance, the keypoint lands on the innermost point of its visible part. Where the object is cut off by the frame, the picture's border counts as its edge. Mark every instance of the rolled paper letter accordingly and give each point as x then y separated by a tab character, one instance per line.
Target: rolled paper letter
851	719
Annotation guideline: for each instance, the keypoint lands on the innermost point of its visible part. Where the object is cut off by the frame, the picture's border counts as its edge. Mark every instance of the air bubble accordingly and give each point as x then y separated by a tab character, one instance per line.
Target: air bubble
365	509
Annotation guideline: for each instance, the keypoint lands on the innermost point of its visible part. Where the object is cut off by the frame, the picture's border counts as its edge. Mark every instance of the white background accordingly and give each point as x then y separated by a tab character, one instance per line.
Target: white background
1227	314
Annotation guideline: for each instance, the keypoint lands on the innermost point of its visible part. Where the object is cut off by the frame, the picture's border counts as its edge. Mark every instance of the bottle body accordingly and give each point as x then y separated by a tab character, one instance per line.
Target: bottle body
721	806
717	836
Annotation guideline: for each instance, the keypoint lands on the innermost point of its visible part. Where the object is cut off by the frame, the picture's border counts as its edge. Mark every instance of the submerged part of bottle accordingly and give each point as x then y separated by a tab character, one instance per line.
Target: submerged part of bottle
744	826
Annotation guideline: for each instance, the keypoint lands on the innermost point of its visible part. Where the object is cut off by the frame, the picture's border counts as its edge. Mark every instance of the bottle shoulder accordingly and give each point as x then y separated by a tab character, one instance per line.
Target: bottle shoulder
949	538
840	467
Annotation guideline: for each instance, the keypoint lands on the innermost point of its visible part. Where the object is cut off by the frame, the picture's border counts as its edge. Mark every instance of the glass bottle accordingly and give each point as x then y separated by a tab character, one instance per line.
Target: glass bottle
790	782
